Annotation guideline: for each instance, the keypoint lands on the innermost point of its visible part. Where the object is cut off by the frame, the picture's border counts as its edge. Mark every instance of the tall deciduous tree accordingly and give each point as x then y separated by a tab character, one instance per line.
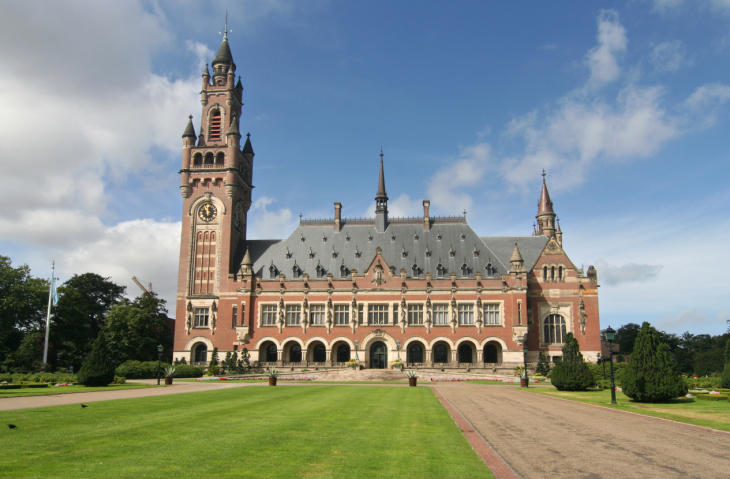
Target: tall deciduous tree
651	375
625	337
133	330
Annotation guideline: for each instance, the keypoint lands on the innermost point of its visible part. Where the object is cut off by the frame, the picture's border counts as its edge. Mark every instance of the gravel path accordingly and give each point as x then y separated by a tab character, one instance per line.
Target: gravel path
542	437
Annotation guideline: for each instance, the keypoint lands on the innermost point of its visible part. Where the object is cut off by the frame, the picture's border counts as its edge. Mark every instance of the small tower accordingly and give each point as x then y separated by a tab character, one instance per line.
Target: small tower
517	264
545	214
381	201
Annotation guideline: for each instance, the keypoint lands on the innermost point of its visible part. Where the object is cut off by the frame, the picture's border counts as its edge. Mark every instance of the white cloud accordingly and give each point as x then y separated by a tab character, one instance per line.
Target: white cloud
627	273
269	224
670	56
691	319
447	187
603	59
398	208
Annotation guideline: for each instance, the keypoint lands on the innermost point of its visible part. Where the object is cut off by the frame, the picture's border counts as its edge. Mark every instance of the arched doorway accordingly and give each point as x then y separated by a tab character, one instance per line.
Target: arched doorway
271	353
378	355
465	353
319	354
492	353
343	353
415	353
441	353
200	353
295	353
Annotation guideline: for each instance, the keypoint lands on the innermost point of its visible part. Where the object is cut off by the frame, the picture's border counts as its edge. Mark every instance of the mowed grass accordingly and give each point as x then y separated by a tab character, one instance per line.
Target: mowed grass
317	431
11	393
714	414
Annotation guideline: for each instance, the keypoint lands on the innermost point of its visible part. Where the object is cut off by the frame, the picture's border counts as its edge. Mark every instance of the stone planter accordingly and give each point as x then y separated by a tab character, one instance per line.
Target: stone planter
412	382
272	381
523	382
168	381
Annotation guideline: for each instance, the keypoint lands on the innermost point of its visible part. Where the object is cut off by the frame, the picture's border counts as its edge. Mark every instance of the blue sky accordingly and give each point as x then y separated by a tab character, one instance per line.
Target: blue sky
625	104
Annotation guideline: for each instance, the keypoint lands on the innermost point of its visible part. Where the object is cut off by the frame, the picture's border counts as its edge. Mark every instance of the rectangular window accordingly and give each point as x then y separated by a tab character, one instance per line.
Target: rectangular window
316	315
395	314
268	314
293	315
415	314
360	314
235	317
243	314
342	314
465	313
440	314
378	314
201	317
491	313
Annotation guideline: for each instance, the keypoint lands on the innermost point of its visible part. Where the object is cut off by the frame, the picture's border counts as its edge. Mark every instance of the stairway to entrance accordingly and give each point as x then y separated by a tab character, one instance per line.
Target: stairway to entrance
363	375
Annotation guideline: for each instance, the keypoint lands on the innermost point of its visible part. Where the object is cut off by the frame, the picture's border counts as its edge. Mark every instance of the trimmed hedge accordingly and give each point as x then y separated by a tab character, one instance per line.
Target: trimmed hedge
711	397
148	370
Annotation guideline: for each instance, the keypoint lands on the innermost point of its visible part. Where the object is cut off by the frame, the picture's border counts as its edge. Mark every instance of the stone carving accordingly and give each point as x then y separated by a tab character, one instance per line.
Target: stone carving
354	314
189	317
403	314
280	322
428	321
213	314
582	317
453	314
592	274
379	333
553	248
479	320
378	278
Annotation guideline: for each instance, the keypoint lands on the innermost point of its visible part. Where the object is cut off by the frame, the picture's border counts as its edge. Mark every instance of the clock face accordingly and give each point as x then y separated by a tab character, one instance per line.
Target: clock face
207	212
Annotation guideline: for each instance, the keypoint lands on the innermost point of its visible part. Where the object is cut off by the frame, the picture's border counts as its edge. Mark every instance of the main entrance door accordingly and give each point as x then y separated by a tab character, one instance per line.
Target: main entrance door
378	355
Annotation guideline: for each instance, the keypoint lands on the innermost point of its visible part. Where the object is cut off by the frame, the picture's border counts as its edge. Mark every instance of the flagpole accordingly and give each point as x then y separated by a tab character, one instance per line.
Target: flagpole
48	316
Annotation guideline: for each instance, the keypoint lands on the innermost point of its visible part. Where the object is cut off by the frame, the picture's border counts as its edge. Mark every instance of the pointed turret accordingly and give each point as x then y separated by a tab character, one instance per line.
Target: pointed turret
189	129
233	129
516	262
246	264
559	234
223	64
247	148
381	201
545	213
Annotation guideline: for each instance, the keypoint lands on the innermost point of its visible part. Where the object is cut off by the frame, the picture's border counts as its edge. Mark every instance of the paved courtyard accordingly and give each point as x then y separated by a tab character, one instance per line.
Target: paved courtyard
541	437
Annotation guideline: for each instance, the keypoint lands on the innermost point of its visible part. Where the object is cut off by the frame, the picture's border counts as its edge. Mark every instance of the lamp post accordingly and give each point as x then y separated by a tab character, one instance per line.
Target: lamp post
610	334
525	350
159	362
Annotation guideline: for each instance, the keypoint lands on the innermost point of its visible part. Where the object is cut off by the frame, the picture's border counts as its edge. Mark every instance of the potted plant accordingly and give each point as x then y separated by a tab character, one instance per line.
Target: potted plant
412	378
522	374
169	373
397	364
273	374
353	364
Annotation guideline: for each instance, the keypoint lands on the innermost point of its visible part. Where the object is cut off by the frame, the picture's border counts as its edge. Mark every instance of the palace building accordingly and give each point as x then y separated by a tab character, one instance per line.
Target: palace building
427	289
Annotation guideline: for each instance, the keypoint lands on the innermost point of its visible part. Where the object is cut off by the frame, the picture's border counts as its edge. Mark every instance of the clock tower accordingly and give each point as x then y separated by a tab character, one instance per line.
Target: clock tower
215	182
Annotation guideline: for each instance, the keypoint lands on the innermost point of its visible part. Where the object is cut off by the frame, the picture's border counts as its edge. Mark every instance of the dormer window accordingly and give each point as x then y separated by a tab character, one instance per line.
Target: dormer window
428	252
403	252
324	238
311	253
370	237
476	251
440	270
320	271
347	238
296	272
288	253
301	238
464	269
334	253
415	236
272	271
415	270
438	236
343	270
463	236
357	253
392	237
451	252
490	269
215	125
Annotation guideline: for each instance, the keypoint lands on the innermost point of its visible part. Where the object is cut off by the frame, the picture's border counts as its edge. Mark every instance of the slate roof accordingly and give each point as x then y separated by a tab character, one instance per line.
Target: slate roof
224	53
450	250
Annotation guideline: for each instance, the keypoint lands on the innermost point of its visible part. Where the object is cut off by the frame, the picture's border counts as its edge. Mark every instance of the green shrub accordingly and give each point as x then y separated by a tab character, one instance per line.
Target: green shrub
618	372
603	384
711	397
97	369
6	378
571	373
42	385
702	383
543	365
651	376
188	371
213	369
119	380
725	379
10	386
140	370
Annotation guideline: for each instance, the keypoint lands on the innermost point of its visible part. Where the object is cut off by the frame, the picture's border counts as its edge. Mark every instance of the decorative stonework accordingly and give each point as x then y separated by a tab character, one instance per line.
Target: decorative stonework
553	248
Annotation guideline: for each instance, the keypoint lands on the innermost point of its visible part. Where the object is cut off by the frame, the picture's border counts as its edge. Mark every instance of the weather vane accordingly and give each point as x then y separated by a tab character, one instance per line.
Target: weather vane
225	31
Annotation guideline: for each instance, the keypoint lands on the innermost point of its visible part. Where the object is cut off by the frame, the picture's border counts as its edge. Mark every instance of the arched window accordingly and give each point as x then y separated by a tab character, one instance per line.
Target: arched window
415	353
554	329
465	355
272	271
198	159
440	354
491	354
209	158
320	270
201	354
295	271
319	355
544	273
464	270
295	353
212	236
220	158
490	269
343	353
271	353
343	270
560	273
440	270
215	125
552	273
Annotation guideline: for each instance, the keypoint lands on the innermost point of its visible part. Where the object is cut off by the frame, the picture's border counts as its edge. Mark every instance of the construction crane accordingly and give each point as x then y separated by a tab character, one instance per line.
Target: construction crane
148	289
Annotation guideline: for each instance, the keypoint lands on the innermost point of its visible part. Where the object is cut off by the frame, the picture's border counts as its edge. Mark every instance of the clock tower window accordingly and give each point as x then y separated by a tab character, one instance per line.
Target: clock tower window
215	125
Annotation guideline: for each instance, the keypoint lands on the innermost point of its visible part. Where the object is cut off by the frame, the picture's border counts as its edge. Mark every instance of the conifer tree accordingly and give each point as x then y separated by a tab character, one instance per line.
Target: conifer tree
571	373
214	358
543	365
651	375
725	380
98	370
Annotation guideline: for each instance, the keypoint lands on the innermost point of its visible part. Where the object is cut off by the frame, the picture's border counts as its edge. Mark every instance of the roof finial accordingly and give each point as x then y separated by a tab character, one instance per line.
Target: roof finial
543	175
225	31
381	153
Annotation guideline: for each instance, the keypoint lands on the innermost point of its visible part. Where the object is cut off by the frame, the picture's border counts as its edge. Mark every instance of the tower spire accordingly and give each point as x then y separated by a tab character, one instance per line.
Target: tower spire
545	213
381	200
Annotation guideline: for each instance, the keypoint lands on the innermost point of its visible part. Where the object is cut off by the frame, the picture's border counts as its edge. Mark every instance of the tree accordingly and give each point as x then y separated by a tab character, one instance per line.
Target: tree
543	365
571	373
98	369
214	358
651	375
23	302
725	381
133	330
625	337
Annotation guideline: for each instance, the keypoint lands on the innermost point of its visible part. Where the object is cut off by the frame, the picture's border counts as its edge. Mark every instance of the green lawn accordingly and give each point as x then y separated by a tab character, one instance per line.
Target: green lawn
11	393
286	432
714	414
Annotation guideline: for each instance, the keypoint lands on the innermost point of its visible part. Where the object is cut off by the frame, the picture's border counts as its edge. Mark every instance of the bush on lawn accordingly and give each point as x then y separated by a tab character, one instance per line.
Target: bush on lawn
188	371
119	380
571	373
702	383
725	380
618	372
543	365
651	375
97	370
148	370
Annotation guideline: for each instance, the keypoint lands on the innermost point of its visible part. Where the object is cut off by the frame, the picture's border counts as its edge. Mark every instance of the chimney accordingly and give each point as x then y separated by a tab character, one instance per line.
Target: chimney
426	217
338	215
